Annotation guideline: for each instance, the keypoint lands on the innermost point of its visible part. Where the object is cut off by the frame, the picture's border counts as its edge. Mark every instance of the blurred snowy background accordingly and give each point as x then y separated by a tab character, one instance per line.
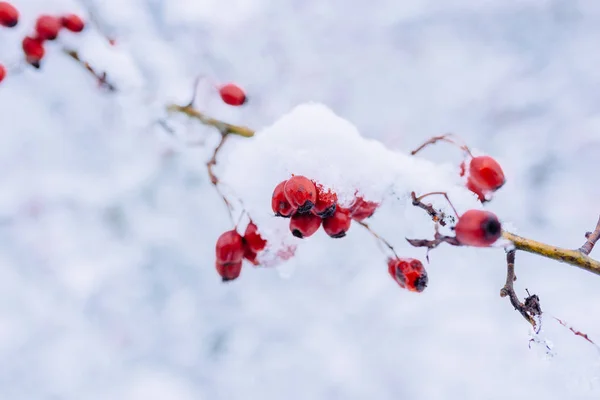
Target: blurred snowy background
108	224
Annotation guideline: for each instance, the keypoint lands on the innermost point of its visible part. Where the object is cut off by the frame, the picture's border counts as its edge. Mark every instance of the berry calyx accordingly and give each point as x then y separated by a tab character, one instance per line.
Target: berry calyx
478	228
338	224
34	50
229	271
326	202
230	247
47	27
252	239
279	204
72	22
362	209
409	273
301	193
2	72
9	15
232	94
486	173
304	225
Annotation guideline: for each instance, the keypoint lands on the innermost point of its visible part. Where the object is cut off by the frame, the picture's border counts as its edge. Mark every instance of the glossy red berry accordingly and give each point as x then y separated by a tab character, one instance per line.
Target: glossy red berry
47	27
486	173
280	205
301	193
232	94
72	22
362	209
478	228
34	50
230	247
2	72
409	273
252	238
304	225
338	224
326	202
229	271
9	15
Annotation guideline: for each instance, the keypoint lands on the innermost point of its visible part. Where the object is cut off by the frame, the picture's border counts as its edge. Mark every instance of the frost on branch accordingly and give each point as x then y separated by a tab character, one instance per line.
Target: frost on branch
311	140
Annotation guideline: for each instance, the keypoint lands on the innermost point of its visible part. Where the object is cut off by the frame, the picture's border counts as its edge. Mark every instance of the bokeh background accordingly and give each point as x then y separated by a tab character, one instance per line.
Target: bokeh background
108	223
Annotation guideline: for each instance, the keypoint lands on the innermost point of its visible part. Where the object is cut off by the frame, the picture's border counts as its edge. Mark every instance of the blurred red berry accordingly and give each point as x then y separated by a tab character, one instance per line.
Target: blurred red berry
338	224
326	202
229	271
362	209
232	94
478	228
476	189
72	22
304	225
252	238
9	15
47	27
301	193
280	205
250	255
486	173
230	247
409	273
34	50
2	72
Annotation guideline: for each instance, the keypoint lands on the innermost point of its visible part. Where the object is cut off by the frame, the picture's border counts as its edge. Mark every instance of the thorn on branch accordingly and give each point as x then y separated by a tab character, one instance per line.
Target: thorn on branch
531	308
591	240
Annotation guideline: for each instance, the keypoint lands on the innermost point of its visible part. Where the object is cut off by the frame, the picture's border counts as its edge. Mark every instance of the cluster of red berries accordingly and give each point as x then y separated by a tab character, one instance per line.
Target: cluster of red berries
232	248
309	205
47	28
484	176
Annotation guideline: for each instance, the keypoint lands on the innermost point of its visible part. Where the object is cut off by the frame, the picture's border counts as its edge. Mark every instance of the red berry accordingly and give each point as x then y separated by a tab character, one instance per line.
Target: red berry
478	228
34	50
230	247
476	189
409	273
47	27
301	193
252	238
337	225
232	94
486	173
9	15
362	209
2	72
280	205
72	22
229	271
326	202
250	255
304	225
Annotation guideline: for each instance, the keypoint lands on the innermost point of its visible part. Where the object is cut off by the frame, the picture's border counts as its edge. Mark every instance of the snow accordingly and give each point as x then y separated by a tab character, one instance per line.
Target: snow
108	222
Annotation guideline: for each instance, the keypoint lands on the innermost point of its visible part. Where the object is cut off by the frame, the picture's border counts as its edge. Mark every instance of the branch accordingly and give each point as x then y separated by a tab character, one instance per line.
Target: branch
224	127
592	238
531	307
572	257
100	77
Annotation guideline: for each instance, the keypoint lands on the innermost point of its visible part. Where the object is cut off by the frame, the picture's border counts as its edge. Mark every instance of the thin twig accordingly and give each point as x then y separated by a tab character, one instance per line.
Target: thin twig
591	239
417	200
531	307
206	120
444	138
576	332
437	216
100	77
378	237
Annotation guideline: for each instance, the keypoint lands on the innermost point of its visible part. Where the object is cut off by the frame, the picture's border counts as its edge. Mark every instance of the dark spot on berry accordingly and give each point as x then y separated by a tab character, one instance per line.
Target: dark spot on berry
421	282
328	212
339	235
297	233
12	24
306	207
492	227
225	279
